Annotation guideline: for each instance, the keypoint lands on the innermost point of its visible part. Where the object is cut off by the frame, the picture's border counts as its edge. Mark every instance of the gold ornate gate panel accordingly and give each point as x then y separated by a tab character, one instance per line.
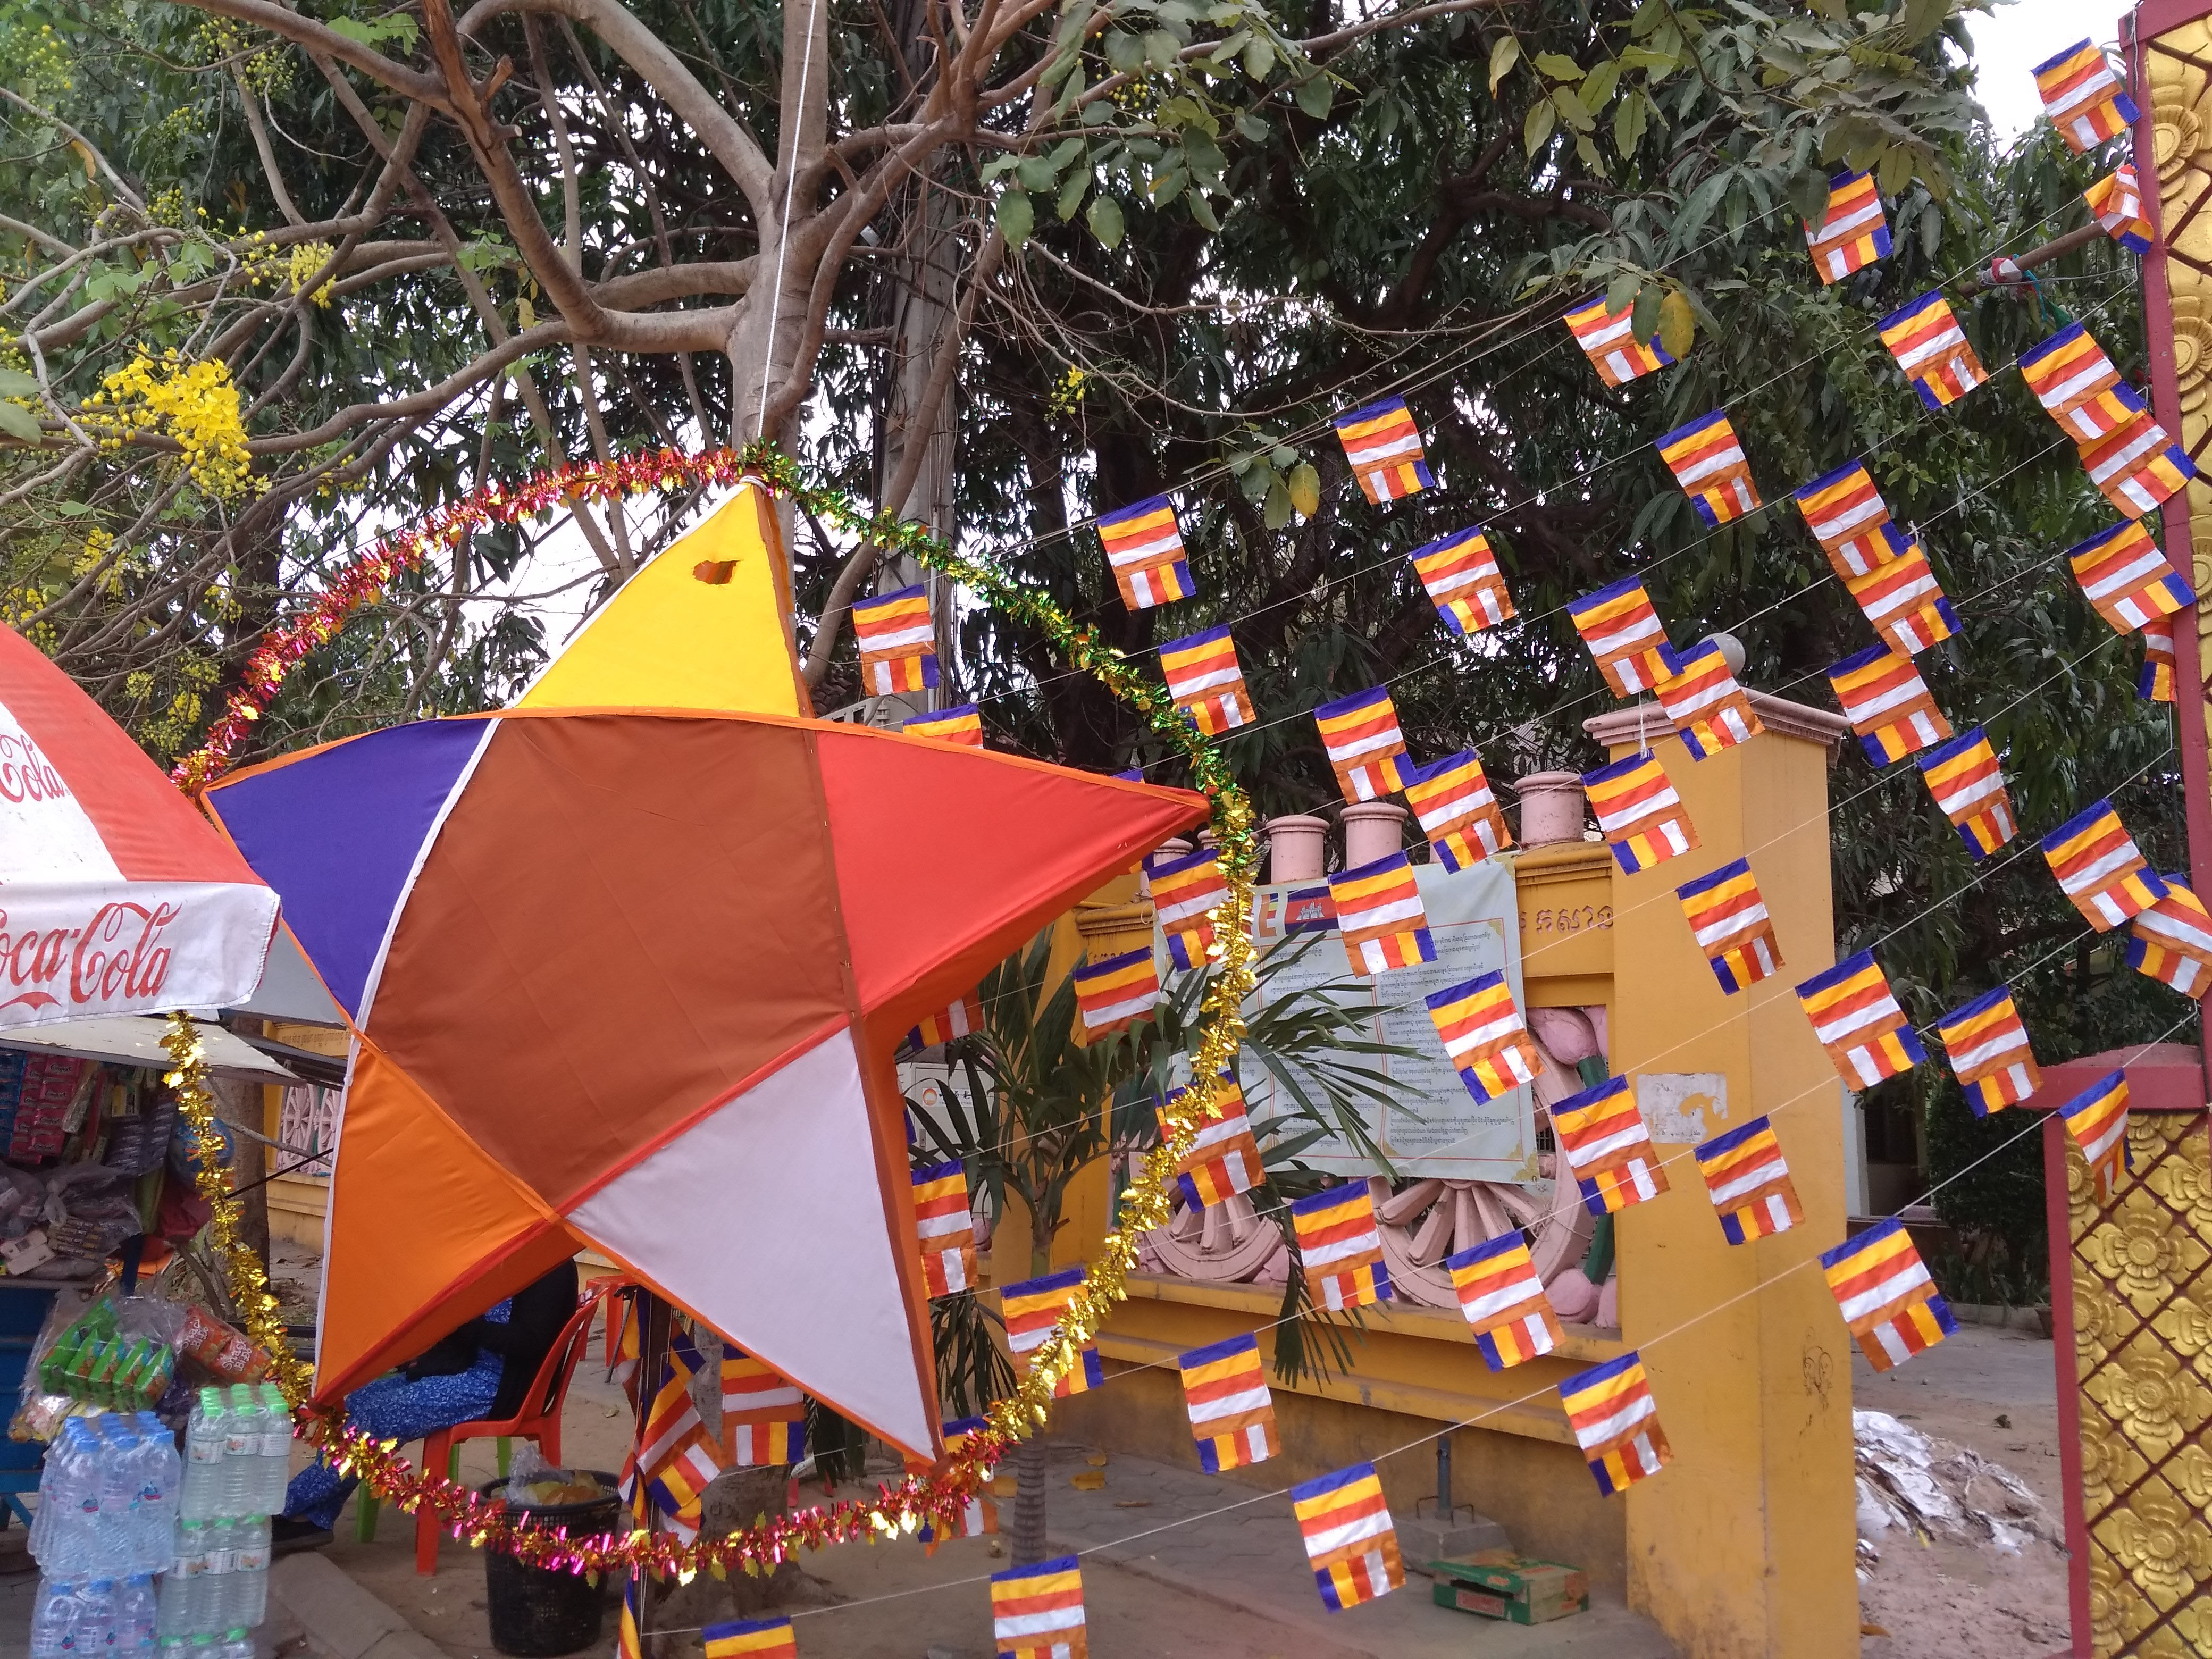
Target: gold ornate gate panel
2131	1281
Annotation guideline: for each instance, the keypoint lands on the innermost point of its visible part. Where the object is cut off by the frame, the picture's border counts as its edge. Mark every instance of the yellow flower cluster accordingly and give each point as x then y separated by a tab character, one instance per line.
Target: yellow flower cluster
193	402
307	259
1067	395
42	64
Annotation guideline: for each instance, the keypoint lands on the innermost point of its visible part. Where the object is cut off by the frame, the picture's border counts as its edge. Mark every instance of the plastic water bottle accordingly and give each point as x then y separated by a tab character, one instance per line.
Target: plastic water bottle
77	1527
96	1617
276	1451
184	1590
137	1614
242	1420
115	1537
54	1621
158	1470
56	1501
203	1446
250	1574
213	1609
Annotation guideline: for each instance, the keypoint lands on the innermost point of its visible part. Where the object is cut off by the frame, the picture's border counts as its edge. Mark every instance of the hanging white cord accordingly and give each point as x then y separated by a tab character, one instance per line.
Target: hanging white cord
783	235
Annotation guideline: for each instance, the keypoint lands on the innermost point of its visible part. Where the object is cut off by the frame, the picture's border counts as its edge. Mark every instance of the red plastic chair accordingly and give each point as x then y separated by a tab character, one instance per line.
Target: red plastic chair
539	1421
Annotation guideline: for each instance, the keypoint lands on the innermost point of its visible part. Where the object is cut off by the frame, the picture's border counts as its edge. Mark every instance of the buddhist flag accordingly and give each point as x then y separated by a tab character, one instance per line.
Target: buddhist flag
2098	865
1615	1423
2172	941
1232	1415
978	1515
1379	911
1887	704
2082	97
1930	347
980	1518
2139	466
1185	892
1031	1308
1115	994
1987	1049
1203	679
945	1227
1486	1037
1339	1247
2065	372
1904	602
2097	1118
1504	1301
1457	811
962	725
1349	1537
672	1418
1709	710
1366	748
1460	573
1602	1132
1145	548
1609	340
962	1019
898	642
1709	464
2155	680
1847	516
2125	575
2116	203
1964	777
1729	921
765	1638
1885	1294
1384	447
629	1642
678	1487
1749	1182
1224	1159
1036	1613
1856	1017
764	1417
1643	817
1622	631
1853	233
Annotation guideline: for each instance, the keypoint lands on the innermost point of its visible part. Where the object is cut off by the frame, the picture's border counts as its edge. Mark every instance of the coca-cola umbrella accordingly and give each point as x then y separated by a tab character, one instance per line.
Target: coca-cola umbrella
632	977
116	898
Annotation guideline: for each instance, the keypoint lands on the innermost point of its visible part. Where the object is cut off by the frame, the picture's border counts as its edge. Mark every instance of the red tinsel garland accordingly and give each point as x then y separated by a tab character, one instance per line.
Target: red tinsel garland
364	580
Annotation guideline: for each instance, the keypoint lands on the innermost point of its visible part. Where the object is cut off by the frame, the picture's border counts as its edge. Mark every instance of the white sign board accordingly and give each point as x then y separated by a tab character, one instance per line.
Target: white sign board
1433	1125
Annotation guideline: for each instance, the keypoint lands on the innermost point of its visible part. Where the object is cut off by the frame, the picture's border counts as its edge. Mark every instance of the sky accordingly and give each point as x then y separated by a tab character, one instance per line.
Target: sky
2012	40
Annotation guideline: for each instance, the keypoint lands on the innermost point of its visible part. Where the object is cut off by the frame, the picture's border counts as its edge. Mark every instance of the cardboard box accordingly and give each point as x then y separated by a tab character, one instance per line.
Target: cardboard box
1499	1584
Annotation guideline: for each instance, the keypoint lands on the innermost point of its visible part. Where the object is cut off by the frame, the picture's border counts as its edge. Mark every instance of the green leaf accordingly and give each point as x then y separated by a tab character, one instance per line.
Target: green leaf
1066	153
1658	65
1569	103
1621	292
1277	512
1125	52
1504	53
1628	124
1931	231
1071	194
1167	185
1315	96
1282	457
1260	58
1542	118
1160	50
1252	127
1598	85
1036	172
1649	16
1017	216
1104	218
1922	18
1588	151
1644	319
1678	329
1559	66
18	421
1256	482
1894	171
1202	210
1808	194
1304	483
14	383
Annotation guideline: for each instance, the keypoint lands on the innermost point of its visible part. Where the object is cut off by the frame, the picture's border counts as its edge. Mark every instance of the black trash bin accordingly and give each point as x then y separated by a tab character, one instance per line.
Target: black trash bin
538	1613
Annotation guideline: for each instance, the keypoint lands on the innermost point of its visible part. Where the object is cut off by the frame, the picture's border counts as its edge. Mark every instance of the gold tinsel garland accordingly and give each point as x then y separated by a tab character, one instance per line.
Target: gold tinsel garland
900	1507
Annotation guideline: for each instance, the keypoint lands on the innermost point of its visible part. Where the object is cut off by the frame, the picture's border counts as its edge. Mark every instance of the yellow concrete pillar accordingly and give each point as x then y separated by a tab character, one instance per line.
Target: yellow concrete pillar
1742	1548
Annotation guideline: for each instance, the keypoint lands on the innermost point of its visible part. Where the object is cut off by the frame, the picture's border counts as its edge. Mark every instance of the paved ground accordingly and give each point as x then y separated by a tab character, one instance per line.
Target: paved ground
1997	1392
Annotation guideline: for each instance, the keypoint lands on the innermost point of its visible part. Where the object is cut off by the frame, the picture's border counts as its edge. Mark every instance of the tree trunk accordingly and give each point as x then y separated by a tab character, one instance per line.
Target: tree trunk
1029	1542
